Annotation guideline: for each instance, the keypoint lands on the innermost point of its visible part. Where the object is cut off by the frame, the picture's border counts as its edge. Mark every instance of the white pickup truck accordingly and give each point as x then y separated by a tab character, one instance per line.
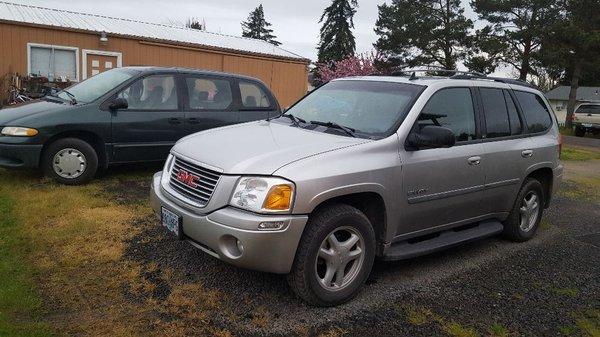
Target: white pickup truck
587	119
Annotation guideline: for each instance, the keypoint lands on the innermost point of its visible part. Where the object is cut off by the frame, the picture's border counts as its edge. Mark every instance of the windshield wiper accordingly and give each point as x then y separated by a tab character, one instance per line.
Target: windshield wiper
349	131
295	120
71	96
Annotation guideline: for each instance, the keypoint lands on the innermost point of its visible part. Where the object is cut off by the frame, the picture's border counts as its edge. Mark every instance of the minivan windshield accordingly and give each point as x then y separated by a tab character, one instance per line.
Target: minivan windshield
371	108
98	85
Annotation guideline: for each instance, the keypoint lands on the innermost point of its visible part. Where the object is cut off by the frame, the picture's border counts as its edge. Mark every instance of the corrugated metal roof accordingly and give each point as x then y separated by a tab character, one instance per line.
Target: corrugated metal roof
583	93
111	25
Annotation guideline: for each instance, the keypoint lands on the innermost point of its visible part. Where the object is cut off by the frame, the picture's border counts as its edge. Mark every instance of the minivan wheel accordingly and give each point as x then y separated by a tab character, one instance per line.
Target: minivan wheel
70	161
525	217
334	257
579	131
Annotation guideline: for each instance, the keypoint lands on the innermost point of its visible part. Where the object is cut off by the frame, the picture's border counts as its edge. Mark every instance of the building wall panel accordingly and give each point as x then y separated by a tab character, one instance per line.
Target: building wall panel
287	79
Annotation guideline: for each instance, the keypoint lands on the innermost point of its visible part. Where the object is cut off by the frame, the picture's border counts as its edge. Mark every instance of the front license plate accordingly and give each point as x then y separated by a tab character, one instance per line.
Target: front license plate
587	125
171	220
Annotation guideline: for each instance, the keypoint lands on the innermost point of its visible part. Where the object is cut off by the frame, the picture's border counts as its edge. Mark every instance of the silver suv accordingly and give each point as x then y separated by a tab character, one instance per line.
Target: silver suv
387	167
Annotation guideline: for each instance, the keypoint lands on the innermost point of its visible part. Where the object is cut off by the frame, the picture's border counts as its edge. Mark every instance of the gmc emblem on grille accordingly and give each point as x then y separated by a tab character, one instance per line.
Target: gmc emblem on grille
187	178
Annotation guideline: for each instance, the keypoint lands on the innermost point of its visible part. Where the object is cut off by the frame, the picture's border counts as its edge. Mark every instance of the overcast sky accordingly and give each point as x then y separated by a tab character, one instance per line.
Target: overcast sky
295	22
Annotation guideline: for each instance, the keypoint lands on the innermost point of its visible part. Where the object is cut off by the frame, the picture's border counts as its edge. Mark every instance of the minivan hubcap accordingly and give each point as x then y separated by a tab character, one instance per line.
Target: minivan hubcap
340	258
69	163
529	211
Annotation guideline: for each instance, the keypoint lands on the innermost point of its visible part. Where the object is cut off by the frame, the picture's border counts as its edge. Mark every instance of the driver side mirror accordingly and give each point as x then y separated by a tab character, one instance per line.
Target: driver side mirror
431	137
119	104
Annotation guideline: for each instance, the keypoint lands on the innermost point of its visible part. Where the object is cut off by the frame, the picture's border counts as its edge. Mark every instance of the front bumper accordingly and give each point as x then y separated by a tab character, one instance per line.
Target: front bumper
20	155
216	234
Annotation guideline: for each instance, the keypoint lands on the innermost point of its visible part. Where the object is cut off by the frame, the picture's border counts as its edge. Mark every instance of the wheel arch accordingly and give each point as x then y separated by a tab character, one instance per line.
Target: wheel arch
371	203
90	137
545	175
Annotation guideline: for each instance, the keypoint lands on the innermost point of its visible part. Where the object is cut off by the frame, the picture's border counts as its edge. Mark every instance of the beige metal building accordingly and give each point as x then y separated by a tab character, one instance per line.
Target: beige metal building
62	44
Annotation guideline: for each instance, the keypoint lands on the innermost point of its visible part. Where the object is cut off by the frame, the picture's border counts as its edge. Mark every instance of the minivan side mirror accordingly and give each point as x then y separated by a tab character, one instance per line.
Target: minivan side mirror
118	104
431	137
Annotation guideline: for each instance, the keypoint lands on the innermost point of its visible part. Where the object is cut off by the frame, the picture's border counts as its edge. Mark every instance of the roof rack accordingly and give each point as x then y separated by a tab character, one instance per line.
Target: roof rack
458	75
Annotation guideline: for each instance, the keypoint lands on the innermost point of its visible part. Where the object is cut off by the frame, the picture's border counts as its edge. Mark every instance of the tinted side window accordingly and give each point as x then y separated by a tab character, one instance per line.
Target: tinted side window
496	114
152	93
253	96
536	114
205	93
451	108
516	126
589	109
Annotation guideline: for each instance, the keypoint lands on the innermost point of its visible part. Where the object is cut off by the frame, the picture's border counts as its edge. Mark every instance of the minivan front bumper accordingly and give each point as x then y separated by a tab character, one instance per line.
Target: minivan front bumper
222	233
20	155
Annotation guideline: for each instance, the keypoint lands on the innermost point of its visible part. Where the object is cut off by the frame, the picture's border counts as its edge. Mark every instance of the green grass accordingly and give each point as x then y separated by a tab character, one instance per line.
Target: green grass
20	305
569	153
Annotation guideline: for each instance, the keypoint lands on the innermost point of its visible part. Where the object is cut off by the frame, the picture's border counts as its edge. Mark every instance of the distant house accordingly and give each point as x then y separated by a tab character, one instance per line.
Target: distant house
66	45
559	97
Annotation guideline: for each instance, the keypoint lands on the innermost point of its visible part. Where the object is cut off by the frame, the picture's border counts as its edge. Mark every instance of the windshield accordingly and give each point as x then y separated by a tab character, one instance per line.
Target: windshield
98	85
369	107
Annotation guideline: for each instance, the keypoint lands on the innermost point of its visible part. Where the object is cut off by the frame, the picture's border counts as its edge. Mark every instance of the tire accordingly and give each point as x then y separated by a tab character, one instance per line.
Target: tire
579	131
80	161
345	223
519	226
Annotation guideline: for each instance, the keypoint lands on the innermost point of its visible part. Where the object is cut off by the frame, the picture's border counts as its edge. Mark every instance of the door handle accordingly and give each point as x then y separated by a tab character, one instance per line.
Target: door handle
476	160
193	120
526	153
174	121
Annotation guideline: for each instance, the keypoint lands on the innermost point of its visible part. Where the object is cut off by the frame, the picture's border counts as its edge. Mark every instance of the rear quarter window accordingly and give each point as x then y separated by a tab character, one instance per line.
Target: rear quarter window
535	111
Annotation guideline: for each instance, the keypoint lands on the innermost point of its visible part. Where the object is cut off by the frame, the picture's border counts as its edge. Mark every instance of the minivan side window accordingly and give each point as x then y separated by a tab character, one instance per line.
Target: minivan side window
588	109
451	108
496	112
253	96
535	111
205	93
156	92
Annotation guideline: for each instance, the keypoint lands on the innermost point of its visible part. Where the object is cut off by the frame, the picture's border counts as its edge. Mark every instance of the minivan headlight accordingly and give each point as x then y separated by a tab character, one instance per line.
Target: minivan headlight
263	194
18	131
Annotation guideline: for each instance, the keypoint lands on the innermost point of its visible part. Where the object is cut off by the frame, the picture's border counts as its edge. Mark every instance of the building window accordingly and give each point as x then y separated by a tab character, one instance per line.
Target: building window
57	63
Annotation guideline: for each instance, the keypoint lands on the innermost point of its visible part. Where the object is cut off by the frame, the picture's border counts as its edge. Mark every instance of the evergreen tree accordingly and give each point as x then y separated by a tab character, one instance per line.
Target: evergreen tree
336	39
195	24
257	27
514	33
573	44
423	32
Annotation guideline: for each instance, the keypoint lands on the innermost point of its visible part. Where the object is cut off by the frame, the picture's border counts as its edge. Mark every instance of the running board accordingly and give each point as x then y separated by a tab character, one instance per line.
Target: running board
408	249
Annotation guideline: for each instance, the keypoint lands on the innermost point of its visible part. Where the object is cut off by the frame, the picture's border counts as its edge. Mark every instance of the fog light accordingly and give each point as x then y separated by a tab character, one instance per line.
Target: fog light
271	225
240	246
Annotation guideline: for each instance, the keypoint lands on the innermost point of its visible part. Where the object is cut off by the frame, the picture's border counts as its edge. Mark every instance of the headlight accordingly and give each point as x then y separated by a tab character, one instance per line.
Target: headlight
18	131
263	194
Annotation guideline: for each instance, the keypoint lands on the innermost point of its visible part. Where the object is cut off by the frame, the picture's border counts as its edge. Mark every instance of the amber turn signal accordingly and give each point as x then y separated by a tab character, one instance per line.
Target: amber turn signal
279	198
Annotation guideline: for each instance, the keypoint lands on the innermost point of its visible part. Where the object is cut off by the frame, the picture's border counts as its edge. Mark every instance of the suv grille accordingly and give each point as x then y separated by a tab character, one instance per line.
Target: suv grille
194	182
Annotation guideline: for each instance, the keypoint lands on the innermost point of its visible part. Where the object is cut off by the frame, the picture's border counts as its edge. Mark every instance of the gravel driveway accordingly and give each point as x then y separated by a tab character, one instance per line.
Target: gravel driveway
544	287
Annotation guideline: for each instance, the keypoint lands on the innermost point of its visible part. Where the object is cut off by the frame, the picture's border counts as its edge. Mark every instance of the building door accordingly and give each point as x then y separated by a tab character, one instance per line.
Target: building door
99	61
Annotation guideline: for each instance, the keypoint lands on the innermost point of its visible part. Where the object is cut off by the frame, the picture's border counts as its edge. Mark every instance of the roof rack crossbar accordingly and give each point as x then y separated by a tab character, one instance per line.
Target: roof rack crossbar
458	75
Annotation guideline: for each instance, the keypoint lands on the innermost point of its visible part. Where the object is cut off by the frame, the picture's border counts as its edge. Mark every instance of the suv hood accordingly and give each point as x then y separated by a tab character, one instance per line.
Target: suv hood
258	147
15	112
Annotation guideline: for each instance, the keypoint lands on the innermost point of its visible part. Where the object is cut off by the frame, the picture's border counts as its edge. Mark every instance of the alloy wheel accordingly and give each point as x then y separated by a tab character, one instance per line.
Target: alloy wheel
340	259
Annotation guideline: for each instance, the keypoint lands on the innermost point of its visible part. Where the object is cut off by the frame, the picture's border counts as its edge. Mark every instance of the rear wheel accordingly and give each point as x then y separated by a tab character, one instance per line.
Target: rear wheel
70	161
526	214
579	131
335	256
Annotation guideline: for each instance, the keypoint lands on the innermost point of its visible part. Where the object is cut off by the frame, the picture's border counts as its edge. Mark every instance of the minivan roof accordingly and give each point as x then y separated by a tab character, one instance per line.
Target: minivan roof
156	69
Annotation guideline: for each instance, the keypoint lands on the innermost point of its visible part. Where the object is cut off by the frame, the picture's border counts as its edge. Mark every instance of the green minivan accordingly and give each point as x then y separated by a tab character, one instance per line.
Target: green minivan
125	115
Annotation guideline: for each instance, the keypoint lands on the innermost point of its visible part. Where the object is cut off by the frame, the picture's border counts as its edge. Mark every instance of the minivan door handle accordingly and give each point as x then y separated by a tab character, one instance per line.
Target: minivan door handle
526	153
476	160
174	120
193	120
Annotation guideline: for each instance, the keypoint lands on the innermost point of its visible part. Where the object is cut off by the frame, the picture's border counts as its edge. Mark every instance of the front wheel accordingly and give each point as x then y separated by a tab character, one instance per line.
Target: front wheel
335	256
579	131
70	161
